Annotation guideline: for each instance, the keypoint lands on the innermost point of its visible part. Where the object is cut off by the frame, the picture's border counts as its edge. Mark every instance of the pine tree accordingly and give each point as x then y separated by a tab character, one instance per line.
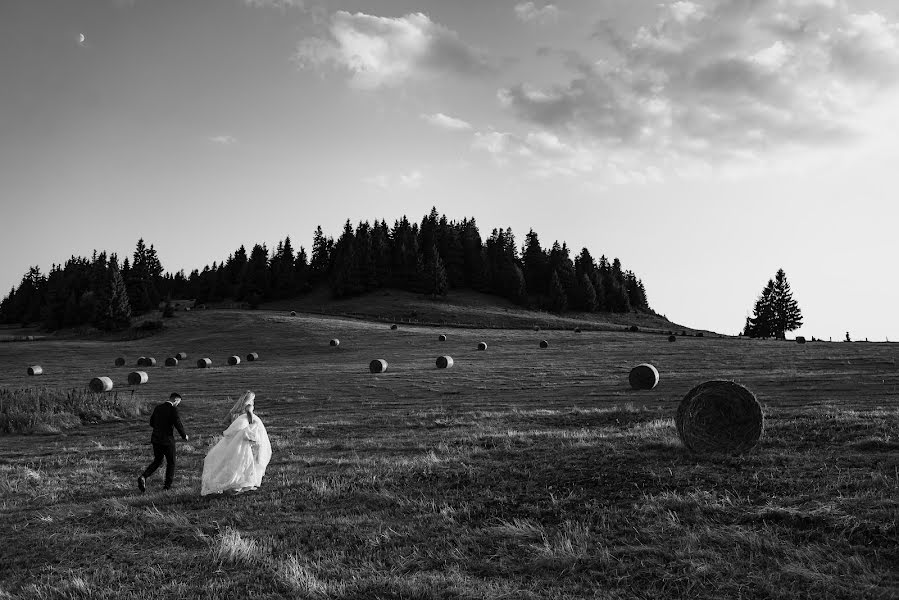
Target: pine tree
558	301
435	279
787	315
762	322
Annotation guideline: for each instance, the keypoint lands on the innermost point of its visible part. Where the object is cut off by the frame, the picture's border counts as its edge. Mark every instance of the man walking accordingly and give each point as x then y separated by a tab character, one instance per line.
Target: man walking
164	418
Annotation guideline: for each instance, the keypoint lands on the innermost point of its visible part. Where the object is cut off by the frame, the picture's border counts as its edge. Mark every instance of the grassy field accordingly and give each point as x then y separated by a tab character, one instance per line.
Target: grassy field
518	473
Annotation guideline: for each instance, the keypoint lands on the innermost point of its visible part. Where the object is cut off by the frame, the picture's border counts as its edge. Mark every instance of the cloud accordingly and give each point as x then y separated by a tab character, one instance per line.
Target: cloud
223	140
411	180
529	13
720	80
446	122
382	52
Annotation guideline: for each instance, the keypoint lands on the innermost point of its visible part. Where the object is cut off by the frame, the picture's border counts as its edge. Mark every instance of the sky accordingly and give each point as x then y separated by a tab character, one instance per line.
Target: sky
705	143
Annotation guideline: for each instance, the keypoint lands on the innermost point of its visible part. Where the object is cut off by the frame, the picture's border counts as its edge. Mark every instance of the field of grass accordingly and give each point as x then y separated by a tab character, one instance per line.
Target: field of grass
518	473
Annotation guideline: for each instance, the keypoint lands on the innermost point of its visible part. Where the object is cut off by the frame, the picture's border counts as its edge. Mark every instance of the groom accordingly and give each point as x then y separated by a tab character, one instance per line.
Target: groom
164	418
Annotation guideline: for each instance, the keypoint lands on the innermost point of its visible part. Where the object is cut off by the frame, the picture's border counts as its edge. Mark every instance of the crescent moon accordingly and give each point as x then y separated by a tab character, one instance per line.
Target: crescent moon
80	38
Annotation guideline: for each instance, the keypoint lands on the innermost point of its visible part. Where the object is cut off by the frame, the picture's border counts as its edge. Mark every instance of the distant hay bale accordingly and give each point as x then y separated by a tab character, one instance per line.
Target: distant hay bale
441	338
171	361
699	334
146	361
482	345
252	356
577	329
181	355
633	329
35	370
140	361
100	384
719	416
233	360
379	365
393	326
544	344
643	377
335	342
120	362
800	339
444	362
138	378
536	328
672	338
204	363
293	313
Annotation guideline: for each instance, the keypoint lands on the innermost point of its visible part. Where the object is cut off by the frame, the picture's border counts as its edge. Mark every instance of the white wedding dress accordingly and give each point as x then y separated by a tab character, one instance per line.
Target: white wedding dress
238	461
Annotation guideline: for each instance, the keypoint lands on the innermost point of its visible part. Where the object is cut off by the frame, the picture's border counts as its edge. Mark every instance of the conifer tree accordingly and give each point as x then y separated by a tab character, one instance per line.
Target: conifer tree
558	301
775	311
435	278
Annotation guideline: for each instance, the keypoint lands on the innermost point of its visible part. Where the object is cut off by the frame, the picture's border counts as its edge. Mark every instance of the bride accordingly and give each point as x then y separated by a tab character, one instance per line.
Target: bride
238	461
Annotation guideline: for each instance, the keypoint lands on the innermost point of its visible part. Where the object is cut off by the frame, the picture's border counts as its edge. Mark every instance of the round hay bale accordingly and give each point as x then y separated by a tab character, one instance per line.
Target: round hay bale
141	360
643	377
536	328
171	362
719	416
204	363
100	384
335	342
393	326
293	313
441	338
482	345
633	329
379	365
120	362
544	344
181	355
672	338
444	362
577	329
800	339
138	378
149	362
252	356
233	360
35	370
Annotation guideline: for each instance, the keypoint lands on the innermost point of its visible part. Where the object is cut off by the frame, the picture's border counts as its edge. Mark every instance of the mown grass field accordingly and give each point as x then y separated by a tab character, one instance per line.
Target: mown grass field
518	473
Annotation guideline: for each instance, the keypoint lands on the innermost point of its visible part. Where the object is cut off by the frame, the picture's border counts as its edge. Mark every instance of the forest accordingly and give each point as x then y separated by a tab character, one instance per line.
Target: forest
431	257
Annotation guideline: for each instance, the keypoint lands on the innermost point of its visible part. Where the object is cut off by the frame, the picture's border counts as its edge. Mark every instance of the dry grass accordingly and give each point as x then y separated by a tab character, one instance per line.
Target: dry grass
515	474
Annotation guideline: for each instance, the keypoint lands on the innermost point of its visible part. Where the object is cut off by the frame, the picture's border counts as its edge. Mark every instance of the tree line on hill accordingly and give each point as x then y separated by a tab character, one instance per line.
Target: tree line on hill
428	258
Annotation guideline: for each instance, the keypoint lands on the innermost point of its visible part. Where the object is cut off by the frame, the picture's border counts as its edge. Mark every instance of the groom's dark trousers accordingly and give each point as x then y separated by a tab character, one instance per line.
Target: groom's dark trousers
163	420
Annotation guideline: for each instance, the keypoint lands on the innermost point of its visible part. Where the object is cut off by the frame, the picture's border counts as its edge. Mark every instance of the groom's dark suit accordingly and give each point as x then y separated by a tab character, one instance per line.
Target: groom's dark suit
163	420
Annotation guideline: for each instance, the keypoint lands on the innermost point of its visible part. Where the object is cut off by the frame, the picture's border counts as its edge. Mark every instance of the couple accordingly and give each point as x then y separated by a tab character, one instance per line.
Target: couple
235	464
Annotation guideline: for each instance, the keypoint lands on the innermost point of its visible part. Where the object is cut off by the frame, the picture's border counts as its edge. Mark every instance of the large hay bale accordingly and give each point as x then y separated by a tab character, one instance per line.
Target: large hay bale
252	356
138	378
120	362
335	342
171	362
672	338
379	365
800	339
544	344
643	377
444	362
233	360
482	345
393	326
204	363
441	338
181	355
719	416
100	384
35	370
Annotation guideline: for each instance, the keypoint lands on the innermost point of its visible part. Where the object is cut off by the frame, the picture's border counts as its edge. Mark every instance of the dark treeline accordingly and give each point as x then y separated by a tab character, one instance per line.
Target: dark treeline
428	258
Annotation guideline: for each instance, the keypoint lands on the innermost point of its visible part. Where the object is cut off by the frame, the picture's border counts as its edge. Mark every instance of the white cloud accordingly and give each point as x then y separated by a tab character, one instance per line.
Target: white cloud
447	122
223	140
381	52
529	13
724	80
412	180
